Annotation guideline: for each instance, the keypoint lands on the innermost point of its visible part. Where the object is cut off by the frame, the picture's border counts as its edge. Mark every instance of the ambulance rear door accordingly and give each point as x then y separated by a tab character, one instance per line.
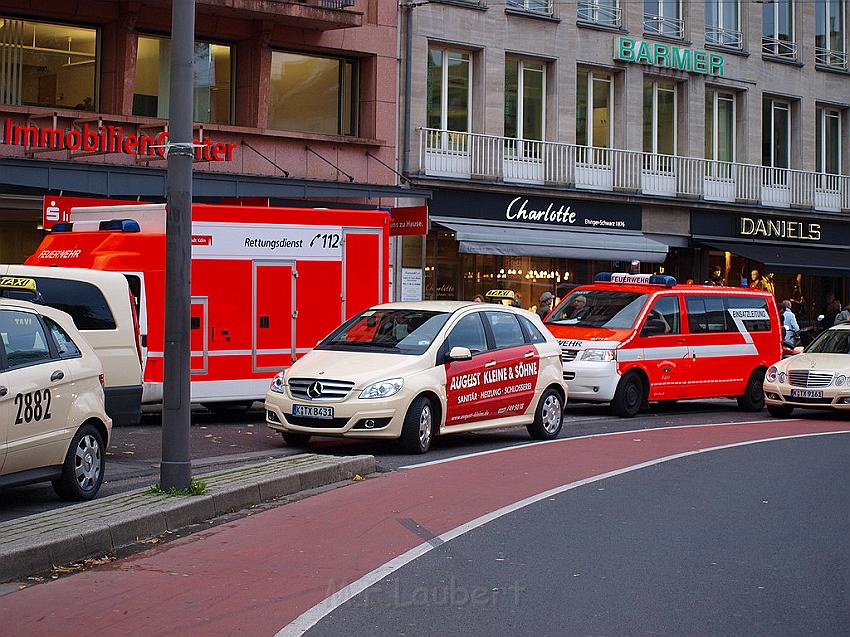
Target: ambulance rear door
273	290
363	276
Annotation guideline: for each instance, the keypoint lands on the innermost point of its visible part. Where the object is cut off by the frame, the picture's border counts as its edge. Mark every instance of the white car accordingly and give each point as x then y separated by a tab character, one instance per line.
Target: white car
414	370
819	378
53	422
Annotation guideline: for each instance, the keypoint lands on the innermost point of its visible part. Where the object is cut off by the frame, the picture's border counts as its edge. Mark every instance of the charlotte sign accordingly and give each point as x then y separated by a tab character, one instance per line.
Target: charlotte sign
106	139
549	211
668	56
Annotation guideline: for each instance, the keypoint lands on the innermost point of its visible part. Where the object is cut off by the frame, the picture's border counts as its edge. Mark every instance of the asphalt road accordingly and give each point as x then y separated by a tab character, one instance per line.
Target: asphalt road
217	442
744	541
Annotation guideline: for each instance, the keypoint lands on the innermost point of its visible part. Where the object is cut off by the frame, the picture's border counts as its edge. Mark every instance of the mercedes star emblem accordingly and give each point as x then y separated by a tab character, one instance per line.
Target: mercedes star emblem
315	390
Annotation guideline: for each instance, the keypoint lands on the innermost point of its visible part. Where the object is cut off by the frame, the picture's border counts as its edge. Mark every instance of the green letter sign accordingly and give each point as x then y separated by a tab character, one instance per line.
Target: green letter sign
668	56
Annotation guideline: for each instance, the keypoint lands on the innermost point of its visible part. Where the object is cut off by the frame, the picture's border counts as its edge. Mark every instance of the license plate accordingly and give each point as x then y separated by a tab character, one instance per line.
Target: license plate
806	393
311	411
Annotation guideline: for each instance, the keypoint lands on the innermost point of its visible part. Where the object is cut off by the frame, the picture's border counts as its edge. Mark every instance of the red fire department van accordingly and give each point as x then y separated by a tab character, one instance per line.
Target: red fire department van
630	339
267	284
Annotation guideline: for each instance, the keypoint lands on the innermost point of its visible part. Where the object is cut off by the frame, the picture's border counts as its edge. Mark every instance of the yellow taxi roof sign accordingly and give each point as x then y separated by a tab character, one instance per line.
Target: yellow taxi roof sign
501	294
17	283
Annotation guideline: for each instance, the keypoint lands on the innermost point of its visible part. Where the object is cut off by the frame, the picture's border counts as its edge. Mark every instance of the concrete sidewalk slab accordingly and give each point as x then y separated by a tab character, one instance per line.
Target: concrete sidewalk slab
37	543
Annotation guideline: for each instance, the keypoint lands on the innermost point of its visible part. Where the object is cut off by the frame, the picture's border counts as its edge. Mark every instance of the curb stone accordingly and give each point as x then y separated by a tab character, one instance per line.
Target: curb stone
36	543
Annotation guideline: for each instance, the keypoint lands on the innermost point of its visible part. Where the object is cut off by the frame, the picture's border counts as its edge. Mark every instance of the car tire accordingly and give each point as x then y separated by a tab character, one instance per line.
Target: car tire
417	431
629	396
753	397
294	439
548	417
780	411
229	408
84	466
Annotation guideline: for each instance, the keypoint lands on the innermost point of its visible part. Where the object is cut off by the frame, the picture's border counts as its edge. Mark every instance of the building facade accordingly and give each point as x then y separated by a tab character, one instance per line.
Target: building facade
293	102
562	138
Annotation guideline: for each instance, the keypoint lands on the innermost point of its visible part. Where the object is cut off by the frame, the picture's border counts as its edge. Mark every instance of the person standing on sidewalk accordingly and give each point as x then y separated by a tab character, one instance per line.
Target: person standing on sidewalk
545	305
790	325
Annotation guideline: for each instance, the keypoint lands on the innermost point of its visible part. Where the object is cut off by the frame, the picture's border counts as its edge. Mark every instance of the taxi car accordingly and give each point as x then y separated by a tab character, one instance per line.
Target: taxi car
410	371
53	422
818	378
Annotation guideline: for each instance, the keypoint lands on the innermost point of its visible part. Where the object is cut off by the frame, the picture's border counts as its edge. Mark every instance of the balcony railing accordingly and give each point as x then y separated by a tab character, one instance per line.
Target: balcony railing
543	7
663	25
829	57
778	48
594	13
487	157
723	37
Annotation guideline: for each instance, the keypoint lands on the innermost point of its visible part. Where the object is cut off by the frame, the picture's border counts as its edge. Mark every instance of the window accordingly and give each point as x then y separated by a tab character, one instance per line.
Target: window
722	26
64	345
506	329
469	333
749	303
599	308
778	29
387	331
829	33
23	339
706	314
666	311
719	125
83	301
604	12
535	6
313	94
659	117
532	334
594	109
449	90
776	133
153	78
44	64
525	99
828	140
663	17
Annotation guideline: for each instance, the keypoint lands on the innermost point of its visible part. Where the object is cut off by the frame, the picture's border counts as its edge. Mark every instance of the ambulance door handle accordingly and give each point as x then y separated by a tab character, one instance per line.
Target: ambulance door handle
490	364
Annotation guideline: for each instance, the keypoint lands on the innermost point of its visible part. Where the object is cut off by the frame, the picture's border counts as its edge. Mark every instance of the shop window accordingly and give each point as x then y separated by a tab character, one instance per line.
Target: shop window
449	97
828	141
525	99
666	310
830	45
313	94
663	17
706	314
659	117
469	333
506	329
43	64
594	109
722	23
776	133
719	125
778	29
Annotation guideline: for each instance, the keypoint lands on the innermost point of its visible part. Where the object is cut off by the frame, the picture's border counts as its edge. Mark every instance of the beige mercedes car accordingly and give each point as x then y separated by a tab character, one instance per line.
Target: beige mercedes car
819	378
410	371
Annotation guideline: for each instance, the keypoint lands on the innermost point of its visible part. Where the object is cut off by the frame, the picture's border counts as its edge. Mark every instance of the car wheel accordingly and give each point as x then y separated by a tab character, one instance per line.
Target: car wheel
295	439
548	417
229	408
780	411
629	396
83	469
418	428
753	397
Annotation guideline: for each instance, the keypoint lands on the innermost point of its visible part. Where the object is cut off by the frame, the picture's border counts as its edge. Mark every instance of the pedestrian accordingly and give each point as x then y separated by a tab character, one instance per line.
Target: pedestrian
843	316
478	298
545	305
517	302
716	277
790	325
833	307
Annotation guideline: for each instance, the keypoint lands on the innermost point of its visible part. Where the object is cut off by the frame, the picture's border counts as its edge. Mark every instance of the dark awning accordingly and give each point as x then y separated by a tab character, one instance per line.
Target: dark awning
554	242
789	258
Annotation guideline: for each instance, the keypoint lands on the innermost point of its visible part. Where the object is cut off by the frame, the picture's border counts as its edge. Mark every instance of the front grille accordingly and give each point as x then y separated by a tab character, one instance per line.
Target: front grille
568	355
319	389
316	423
809	378
809	401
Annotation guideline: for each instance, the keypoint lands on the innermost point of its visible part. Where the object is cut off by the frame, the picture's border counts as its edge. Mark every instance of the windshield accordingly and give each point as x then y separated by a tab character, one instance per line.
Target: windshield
599	308
831	342
393	331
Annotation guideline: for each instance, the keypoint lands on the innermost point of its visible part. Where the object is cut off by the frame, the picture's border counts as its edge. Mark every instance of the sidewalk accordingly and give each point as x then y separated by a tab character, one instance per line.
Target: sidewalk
37	543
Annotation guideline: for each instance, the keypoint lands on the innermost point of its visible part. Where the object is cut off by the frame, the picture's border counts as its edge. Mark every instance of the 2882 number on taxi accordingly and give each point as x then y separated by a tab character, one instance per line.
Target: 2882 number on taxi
33	406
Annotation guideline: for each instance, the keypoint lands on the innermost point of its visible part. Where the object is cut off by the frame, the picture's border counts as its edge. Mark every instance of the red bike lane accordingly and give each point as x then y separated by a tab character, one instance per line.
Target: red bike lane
255	575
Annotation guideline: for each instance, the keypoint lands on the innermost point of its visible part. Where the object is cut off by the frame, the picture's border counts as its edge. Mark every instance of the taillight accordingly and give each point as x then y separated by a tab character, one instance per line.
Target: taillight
102	380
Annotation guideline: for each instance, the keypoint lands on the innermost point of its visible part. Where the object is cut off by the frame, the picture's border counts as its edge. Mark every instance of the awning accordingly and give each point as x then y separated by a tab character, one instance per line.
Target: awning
554	242
789	258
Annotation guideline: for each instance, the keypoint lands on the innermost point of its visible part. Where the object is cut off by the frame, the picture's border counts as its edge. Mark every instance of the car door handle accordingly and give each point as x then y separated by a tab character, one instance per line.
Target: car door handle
57	375
529	355
680	340
3	391
490	364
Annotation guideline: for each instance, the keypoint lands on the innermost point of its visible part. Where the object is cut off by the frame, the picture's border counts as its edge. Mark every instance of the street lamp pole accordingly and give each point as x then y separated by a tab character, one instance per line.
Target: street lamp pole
176	468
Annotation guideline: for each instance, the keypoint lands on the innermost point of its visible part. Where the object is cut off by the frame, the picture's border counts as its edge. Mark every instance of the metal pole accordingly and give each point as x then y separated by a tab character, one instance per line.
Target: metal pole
176	468
406	95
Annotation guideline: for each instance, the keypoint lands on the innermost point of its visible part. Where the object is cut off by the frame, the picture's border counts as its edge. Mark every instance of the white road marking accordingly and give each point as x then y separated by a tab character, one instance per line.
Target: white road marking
314	615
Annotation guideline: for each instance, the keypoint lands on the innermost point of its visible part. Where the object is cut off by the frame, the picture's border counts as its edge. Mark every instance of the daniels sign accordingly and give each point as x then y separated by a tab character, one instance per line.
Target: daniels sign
779	229
107	139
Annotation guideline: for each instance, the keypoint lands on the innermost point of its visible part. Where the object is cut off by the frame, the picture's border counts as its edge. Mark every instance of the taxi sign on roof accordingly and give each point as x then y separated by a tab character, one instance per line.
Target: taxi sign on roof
17	283
501	294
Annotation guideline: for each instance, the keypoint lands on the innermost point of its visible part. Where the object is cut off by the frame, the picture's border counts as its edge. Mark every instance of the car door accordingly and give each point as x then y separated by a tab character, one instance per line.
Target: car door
667	355
37	386
464	378
510	376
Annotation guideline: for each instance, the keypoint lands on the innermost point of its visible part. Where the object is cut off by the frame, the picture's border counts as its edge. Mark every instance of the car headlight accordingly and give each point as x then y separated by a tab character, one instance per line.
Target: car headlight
840	380
599	355
783	377
278	385
771	375
384	389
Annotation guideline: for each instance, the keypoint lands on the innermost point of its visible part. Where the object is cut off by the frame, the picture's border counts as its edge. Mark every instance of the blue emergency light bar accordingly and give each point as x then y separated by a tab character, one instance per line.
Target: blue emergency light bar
62	226
122	225
644	279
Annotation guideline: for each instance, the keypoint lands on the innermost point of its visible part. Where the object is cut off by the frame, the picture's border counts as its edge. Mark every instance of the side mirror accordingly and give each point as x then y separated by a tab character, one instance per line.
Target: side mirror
459	354
653	327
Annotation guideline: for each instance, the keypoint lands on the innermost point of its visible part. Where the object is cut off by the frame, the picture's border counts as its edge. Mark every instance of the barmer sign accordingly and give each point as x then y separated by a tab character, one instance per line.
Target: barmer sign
668	56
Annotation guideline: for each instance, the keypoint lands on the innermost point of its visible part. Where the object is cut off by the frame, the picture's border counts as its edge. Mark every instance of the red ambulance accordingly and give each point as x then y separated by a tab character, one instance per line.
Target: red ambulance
630	339
267	284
